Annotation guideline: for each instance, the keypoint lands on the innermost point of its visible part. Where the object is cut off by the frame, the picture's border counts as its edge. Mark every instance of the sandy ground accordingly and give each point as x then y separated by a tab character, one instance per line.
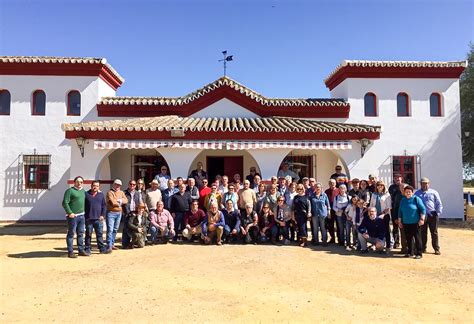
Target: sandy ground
238	283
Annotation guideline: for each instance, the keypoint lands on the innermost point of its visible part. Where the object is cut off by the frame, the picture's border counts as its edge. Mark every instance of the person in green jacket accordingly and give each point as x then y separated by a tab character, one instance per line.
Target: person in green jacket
74	204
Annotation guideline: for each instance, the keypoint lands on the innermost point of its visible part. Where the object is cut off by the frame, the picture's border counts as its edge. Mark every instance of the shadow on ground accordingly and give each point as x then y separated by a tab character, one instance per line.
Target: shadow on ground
37	254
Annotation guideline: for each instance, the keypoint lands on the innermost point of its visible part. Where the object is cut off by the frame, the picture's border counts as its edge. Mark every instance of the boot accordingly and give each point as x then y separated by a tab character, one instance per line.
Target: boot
303	241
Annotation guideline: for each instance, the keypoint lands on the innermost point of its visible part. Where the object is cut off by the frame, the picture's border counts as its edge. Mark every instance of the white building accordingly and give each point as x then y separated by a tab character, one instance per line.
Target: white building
383	118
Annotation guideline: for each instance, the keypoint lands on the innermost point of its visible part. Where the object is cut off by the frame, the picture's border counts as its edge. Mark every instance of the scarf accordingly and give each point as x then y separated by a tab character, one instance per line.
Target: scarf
378	205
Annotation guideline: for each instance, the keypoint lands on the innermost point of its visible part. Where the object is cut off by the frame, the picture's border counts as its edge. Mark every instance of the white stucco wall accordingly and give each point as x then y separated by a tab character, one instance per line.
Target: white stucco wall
225	108
435	139
22	133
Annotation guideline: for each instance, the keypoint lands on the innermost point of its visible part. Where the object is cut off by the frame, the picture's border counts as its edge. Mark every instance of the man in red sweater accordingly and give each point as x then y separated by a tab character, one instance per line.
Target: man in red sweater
193	220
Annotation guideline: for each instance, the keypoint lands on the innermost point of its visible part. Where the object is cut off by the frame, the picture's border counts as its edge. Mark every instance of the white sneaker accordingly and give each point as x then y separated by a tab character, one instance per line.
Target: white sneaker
348	248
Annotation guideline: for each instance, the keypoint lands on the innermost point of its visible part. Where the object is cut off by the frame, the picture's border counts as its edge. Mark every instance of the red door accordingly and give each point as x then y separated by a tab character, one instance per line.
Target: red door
233	165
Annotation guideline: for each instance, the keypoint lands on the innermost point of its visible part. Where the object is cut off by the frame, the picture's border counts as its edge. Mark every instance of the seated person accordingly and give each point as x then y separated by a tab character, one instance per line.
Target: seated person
213	225
232	222
372	229
266	224
192	221
137	227
162	224
249	224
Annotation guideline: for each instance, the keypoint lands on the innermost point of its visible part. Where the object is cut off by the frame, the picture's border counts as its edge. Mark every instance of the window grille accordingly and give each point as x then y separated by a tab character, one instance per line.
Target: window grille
34	172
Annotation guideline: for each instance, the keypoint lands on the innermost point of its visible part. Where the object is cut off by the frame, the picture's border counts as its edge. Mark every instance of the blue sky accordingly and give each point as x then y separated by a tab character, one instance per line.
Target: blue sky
281	48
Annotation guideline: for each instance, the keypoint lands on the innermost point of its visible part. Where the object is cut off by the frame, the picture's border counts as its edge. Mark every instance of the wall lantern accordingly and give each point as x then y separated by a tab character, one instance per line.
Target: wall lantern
80	141
364	143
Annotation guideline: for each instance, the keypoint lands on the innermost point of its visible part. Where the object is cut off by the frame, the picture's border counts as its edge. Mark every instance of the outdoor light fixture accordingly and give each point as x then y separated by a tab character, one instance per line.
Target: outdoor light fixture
467	133
80	141
364	143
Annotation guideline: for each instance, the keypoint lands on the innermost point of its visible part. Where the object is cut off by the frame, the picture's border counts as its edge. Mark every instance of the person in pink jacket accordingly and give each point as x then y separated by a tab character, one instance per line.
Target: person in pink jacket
162	224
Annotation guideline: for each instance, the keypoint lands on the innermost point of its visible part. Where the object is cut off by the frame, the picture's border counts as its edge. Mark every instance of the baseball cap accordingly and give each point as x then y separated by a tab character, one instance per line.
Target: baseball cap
118	181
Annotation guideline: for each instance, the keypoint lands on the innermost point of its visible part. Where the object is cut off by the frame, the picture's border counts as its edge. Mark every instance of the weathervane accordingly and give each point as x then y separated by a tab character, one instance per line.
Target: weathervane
225	60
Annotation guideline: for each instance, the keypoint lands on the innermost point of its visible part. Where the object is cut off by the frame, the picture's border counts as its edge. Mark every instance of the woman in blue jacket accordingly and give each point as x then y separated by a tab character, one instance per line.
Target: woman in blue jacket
319	210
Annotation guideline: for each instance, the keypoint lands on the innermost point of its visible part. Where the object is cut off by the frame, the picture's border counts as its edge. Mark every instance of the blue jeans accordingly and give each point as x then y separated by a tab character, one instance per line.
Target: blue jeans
75	225
113	223
228	230
341	229
319	222
351	229
272	232
96	225
178	224
125	236
155	232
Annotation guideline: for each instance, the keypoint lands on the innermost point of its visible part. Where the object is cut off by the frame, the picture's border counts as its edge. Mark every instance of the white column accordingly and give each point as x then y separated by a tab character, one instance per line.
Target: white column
269	160
179	160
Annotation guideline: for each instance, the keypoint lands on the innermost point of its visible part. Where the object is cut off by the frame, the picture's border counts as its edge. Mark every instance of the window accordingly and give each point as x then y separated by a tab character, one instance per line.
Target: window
435	105
36	171
405	166
370	105
74	103
5	100
403	109
39	103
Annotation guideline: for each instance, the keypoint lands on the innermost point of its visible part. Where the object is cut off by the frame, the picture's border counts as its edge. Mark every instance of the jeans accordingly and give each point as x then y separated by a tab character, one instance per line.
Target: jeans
388	237
413	231
351	229
341	229
228	231
251	235
96	225
75	225
285	230
330	225
272	232
113	223
319	222
302	227
166	233
431	222
395	230
178	224
363	241
125	236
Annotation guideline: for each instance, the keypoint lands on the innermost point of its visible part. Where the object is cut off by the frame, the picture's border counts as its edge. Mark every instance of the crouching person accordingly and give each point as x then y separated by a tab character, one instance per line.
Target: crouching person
372	229
137	227
161	224
213	225
249	224
267	225
193	220
232	222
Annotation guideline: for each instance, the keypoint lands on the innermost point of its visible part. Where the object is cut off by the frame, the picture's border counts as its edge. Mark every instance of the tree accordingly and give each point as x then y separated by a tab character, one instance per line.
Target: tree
467	113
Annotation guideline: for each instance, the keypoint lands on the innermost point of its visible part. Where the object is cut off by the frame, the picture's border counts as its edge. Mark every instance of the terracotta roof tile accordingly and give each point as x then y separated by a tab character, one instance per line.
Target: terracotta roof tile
266	124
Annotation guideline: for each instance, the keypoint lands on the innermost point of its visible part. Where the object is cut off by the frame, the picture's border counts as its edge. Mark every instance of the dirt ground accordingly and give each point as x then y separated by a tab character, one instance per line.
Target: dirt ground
232	283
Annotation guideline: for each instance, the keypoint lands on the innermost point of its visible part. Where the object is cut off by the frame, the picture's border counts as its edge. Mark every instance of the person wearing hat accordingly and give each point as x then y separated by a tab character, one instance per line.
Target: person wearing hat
115	199
285	171
282	188
137	227
355	188
383	204
434	208
153	195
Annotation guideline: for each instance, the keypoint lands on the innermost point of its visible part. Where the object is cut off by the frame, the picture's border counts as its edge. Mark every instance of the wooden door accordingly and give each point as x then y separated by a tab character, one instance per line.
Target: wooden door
233	165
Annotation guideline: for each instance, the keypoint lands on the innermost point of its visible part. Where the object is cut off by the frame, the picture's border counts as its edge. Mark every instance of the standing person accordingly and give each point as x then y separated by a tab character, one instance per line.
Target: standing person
224	187
232	222
395	197
213	196
340	177
246	196
192	189
203	192
339	205
192	221
213	225
261	196
305	183
153	195
141	189
161	224
372	183
411	216
285	171
282	188
434	208
320	209
95	211
283	221
353	219
134	199
251	176
137	227
162	178
364	192
290	194
168	193
372	229
355	188
396	204
237	182
73	204
381	201
199	174
179	205
271	198
230	195
301	210
249	225
256	183
179	182
331	192
115	199
266	224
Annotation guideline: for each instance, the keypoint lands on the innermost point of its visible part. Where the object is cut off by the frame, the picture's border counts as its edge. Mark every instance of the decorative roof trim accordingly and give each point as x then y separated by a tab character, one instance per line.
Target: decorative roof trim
49	65
394	69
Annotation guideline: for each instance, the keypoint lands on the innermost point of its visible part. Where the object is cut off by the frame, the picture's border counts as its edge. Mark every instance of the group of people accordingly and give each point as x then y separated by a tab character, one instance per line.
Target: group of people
354	212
